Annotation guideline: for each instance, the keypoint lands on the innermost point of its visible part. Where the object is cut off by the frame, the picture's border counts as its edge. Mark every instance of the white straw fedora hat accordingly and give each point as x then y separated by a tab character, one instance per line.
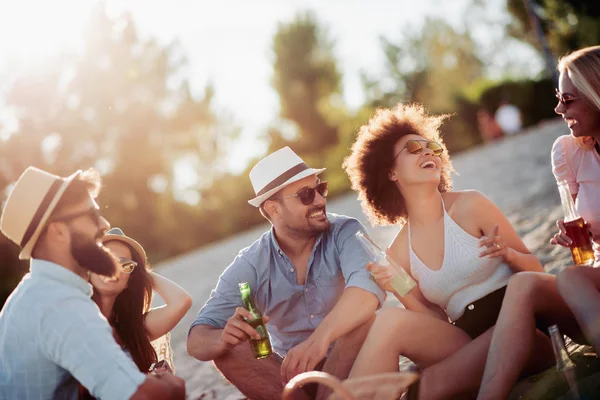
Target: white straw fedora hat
29	205
276	171
117	234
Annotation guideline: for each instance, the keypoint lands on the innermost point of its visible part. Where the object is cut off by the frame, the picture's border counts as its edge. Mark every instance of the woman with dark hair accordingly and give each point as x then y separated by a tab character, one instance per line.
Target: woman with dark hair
125	300
458	246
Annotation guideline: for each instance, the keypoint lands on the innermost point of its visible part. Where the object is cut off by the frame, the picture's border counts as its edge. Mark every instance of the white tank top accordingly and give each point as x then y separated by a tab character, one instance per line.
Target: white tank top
464	277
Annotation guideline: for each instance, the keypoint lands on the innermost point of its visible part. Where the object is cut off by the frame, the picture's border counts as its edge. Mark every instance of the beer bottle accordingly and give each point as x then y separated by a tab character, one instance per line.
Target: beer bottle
402	282
564	363
581	242
261	348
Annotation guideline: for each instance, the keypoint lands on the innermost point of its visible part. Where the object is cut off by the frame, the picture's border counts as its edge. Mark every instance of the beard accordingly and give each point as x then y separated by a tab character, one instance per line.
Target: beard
91	256
309	227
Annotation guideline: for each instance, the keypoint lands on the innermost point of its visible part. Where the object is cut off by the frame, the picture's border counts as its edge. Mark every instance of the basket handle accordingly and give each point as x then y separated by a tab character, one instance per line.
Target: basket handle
322	378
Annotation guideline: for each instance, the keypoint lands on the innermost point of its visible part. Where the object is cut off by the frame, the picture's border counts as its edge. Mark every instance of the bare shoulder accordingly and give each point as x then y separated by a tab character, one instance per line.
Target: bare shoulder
465	201
399	246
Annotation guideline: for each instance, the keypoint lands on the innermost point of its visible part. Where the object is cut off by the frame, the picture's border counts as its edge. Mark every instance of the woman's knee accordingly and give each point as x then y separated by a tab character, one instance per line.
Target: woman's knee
568	280
526	286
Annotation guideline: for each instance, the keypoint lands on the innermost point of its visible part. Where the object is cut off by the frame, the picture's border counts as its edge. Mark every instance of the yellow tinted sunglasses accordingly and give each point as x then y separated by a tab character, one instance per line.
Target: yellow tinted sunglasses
417	146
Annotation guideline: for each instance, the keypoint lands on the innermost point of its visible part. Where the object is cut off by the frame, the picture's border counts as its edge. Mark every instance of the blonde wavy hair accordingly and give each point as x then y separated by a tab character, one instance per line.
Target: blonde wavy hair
583	67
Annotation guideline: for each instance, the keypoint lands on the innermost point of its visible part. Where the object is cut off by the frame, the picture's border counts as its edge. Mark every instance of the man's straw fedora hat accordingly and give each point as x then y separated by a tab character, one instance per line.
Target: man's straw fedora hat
29	205
276	171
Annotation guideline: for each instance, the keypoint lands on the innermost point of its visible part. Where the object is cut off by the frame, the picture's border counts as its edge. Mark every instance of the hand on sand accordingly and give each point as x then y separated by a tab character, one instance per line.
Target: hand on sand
237	330
560	238
383	386
303	357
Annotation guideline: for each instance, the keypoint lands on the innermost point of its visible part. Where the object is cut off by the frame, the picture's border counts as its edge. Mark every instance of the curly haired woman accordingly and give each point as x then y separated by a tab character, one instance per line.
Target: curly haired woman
458	246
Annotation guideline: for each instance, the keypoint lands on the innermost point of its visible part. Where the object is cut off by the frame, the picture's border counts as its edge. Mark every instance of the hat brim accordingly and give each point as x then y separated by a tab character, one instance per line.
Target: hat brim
258	200
129	241
25	253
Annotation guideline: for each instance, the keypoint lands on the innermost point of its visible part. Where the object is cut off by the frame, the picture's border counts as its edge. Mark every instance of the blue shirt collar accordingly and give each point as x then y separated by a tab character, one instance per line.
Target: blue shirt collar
49	270
277	248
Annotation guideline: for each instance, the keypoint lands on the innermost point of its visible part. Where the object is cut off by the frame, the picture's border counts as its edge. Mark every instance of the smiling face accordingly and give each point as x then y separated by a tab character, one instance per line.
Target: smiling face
582	118
113	286
288	212
410	169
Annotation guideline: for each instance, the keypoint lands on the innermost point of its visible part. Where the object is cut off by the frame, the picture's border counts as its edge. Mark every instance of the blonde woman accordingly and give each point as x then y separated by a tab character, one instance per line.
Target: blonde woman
571	300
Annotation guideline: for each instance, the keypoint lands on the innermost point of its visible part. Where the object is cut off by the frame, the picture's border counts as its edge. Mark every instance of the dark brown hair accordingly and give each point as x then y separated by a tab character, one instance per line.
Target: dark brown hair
372	158
129	312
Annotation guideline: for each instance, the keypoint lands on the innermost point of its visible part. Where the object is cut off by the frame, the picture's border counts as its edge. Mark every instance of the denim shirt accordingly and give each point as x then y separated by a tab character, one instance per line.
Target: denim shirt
52	335
337	261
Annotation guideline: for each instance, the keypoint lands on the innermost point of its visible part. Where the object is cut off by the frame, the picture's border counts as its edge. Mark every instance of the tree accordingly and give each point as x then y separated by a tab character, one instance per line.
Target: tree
429	67
122	105
308	83
568	24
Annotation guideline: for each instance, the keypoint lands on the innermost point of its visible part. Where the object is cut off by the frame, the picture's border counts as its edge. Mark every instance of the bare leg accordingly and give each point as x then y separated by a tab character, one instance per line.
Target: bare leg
459	375
344	352
256	379
529	294
423	339
580	288
454	363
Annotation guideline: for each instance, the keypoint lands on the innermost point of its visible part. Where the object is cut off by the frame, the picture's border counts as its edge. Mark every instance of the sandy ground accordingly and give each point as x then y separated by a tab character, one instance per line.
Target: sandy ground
515	173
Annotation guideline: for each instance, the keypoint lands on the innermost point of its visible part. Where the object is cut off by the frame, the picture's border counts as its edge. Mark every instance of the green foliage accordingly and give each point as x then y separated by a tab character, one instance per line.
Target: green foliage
122	106
307	81
568	24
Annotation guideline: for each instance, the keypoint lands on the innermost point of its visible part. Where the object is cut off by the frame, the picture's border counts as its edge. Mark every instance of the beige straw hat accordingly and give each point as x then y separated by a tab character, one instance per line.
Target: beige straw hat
29	205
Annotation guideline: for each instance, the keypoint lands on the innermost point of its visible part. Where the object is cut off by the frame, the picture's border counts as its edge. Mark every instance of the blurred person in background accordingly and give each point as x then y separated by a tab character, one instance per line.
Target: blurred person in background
488	128
51	332
572	299
508	117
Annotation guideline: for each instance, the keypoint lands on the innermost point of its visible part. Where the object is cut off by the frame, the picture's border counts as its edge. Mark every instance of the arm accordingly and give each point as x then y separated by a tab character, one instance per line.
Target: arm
493	223
160	386
159	321
356	305
204	343
415	301
354	308
206	338
74	330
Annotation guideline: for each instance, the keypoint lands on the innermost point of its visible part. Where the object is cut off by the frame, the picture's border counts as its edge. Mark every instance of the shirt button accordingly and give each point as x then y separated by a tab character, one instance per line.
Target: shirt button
312	316
280	253
291	269
471	307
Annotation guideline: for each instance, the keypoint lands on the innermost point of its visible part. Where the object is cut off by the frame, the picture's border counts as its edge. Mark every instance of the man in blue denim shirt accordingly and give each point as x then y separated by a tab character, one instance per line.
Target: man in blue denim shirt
307	274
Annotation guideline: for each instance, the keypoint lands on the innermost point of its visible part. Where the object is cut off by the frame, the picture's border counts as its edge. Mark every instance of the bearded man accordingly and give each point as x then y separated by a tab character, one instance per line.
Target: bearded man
52	335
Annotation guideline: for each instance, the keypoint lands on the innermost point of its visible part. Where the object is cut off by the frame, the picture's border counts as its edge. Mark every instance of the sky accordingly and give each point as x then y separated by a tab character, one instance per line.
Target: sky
228	42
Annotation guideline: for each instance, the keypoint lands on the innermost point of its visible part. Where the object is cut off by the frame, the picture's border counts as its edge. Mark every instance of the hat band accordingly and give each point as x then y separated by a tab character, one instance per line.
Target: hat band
283	178
35	221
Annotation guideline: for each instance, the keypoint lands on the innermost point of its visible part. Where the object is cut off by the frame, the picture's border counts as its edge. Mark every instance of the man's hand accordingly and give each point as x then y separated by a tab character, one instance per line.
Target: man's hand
304	357
237	330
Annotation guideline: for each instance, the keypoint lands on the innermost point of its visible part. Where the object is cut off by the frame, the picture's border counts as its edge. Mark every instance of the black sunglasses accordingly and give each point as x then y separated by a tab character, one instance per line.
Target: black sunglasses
307	195
92	212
